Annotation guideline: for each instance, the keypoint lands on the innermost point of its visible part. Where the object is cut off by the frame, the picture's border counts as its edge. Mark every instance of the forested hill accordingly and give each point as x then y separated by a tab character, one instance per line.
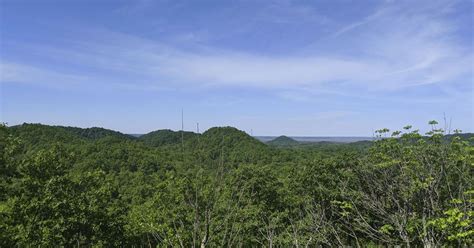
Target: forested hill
39	133
73	187
234	145
166	137
230	136
283	141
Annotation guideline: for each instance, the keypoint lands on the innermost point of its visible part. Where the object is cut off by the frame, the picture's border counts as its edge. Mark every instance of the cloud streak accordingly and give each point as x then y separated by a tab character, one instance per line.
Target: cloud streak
392	51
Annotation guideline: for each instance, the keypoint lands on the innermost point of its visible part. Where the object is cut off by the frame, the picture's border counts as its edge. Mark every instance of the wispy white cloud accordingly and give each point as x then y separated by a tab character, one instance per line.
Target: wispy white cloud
20	73
288	12
351	26
393	50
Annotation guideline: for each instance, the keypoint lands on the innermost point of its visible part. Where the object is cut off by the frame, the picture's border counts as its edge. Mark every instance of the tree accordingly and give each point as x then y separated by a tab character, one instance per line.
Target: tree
408	182
50	207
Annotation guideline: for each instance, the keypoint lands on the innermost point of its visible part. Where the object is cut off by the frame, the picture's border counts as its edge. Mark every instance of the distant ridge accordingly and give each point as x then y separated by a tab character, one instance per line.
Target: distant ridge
136	135
283	141
96	132
36	132
166	137
314	139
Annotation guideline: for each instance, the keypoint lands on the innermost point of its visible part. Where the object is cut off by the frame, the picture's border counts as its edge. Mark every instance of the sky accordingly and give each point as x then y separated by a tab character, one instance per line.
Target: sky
300	68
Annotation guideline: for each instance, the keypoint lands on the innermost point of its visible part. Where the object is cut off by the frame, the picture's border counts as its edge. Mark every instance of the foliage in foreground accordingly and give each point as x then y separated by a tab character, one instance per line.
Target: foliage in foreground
223	188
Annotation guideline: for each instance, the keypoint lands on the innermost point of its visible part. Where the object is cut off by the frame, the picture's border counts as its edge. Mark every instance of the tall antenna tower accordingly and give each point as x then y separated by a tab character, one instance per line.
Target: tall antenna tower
197	131
182	129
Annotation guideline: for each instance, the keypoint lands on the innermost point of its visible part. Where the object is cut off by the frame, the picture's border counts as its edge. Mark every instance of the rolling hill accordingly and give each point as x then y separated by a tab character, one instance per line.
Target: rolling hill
283	141
166	137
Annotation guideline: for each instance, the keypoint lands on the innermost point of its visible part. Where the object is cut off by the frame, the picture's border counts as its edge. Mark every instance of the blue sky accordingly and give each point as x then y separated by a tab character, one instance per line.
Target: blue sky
320	68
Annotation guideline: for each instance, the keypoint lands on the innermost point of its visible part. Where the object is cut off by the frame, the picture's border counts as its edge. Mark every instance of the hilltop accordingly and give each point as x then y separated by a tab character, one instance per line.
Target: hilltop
236	145
166	137
38	133
283	141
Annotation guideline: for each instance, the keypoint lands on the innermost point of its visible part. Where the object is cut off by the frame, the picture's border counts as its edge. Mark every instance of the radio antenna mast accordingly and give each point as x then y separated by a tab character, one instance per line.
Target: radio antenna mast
182	129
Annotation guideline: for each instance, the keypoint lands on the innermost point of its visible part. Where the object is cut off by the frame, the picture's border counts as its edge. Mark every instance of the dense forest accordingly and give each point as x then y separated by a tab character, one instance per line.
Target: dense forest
65	186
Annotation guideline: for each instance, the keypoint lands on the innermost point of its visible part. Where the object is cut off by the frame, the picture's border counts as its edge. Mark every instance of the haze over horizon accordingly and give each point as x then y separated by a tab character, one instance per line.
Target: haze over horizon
298	68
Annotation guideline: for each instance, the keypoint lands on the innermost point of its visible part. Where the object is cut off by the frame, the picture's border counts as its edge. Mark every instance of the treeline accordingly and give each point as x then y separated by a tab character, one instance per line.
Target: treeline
62	186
